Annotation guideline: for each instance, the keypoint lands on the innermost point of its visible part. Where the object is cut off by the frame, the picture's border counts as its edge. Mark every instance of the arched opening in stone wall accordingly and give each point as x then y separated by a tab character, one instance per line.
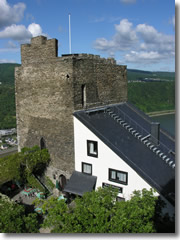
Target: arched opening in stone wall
83	92
42	143
62	181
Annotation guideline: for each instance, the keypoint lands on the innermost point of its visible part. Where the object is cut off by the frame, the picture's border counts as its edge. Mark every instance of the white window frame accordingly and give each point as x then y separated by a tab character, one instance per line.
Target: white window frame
86	166
118	176
92	148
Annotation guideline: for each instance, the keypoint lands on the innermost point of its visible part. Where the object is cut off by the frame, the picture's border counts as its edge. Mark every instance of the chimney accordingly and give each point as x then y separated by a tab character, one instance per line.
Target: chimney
155	130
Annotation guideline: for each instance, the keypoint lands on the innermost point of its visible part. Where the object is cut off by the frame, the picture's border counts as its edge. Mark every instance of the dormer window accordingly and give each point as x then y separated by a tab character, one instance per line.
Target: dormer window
92	148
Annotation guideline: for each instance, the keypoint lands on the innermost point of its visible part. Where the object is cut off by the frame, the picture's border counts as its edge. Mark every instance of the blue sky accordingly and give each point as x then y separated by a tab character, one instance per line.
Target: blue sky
137	33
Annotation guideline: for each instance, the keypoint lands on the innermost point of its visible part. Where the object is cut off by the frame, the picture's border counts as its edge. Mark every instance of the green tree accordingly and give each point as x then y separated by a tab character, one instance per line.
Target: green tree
98	212
10	168
13	218
21	165
34	159
135	215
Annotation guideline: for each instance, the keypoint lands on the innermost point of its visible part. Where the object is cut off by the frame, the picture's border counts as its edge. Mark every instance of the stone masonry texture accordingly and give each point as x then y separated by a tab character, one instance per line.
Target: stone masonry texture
50	88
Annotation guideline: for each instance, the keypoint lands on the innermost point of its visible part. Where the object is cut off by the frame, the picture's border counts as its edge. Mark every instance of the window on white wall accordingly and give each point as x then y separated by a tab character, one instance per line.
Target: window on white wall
118	176
92	148
120	199
87	168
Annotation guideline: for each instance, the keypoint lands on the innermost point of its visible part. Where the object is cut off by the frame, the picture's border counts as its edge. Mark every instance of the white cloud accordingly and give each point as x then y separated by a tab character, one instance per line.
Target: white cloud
10	14
143	57
35	29
20	33
155	41
128	1
16	32
140	44
123	39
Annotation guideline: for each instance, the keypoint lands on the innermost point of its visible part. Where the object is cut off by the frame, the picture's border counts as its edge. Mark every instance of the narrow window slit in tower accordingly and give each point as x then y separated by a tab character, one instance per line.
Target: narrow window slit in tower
42	143
83	90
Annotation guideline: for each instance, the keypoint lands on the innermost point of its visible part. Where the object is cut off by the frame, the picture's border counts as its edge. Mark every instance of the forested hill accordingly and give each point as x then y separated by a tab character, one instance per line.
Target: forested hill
7	96
151	91
148	96
7	73
134	75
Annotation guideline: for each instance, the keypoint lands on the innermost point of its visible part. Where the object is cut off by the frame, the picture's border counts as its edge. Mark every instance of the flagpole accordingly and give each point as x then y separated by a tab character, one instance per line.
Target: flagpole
69	33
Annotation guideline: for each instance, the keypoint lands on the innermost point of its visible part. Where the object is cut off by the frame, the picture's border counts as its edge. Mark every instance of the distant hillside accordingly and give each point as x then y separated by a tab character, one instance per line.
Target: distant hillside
7	73
7	96
152	96
134	75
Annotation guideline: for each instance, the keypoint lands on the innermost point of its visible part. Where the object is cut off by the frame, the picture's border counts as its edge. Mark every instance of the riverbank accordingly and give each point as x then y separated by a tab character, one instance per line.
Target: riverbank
160	113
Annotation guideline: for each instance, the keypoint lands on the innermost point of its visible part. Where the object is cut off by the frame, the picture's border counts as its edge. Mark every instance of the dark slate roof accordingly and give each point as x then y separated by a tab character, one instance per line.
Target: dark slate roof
126	130
79	183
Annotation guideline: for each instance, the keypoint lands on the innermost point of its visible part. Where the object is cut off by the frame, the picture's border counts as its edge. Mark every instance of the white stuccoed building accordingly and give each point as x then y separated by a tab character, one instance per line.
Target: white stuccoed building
118	145
105	164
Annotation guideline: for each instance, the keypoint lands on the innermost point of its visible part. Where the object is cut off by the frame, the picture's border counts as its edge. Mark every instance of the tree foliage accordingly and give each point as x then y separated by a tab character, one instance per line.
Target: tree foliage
150	96
13	218
7	73
7	96
7	109
98	212
20	166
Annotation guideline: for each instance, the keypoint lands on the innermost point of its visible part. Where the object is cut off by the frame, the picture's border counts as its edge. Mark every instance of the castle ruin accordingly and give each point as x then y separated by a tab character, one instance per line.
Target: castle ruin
50	88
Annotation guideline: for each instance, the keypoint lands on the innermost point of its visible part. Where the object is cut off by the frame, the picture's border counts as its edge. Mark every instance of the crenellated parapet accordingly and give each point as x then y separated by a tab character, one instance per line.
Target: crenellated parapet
86	56
40	49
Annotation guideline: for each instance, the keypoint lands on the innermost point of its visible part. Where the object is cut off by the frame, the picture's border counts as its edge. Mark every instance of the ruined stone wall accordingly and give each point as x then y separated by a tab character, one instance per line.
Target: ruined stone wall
105	81
49	90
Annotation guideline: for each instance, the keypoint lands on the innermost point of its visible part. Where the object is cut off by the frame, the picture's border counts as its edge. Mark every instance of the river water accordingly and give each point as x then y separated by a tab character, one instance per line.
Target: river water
167	122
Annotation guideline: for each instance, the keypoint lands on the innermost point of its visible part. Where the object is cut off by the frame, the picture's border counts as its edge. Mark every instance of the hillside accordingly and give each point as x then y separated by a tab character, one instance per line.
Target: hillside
7	73
152	96
7	96
134	75
149	97
157	95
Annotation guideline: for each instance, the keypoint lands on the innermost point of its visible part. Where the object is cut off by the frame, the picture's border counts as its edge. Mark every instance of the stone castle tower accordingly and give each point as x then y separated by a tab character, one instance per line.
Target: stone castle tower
50	88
